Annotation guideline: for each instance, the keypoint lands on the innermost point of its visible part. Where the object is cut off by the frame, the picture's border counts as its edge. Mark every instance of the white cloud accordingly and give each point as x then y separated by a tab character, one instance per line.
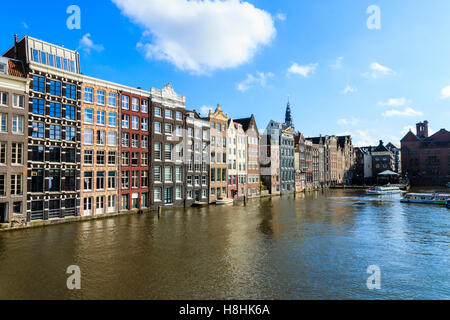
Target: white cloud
304	71
378	70
338	64
393	102
406	129
200	36
87	44
362	138
281	16
348	89
204	111
260	78
25	25
408	112
445	93
345	122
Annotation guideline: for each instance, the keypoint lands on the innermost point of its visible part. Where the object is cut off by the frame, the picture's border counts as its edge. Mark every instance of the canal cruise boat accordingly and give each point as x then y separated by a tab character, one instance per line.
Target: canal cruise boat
380	191
427	198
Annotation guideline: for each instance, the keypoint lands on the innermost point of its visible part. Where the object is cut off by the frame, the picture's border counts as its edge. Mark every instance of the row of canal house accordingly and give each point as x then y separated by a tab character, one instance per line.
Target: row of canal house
73	145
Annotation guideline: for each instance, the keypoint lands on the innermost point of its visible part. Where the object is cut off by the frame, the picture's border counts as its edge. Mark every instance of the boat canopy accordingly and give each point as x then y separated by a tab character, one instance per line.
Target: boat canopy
388	173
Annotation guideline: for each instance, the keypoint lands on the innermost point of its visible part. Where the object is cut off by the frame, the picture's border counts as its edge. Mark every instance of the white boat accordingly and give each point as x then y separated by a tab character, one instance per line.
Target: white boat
221	202
380	191
426	198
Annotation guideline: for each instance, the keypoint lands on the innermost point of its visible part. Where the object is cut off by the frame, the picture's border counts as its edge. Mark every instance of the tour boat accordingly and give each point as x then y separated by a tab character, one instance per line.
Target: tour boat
426	198
224	201
379	191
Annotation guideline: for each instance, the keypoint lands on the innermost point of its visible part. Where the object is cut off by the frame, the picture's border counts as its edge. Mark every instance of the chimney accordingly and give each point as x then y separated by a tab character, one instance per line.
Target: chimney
422	129
15	46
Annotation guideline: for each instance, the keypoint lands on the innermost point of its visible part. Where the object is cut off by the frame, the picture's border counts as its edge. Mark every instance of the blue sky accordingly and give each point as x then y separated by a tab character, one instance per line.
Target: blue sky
341	77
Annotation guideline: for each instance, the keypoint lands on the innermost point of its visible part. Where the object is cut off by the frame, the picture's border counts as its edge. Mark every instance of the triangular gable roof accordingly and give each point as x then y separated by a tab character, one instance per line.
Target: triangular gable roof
410	136
441	135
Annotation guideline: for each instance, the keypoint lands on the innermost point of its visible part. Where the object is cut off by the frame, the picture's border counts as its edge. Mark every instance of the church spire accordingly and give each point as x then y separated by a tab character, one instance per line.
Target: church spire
288	119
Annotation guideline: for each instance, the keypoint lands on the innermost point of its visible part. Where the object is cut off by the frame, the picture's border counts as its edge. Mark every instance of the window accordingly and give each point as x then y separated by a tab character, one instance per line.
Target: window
101	137
179	115
144	124
111	204
3	68
112	158
178	174
38	130
88	157
157	195
189	180
88	95
125	102
88	181
125	121
144	159
88	116
157	174
112	180
135	104
71	155
17	153
135	123
168	174
3	147
71	134
125	204
112	99
112	119
100	180
43	58
144	107
71	179
135	159
54	181
101	97
55	154
168	114
125	179
55	88
157	151
4	98
37	154
37	180
157	127
158	112
55	110
3	122
144	197
125	159
101	157
17	207
204	180
168	129
178	193
55	132
70	112
112	139
125	140
144	142
100	205
144	179
135	141
168	152
100	118
17	124
18	101
168	194
179	131
88	136
38	84
58	62
38	107
71	91
37	210
16	184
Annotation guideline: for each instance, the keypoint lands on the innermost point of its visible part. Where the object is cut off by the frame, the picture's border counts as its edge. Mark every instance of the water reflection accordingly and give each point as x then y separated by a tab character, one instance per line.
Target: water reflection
315	246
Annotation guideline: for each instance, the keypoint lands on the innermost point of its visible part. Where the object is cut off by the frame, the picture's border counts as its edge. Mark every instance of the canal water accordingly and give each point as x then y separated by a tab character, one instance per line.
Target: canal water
317	246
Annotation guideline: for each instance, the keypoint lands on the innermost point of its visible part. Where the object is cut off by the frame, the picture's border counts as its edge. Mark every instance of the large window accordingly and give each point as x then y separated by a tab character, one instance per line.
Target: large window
70	112
112	139
125	121
38	84
54	181
144	159
144	179
157	194
125	159
55	110
38	130
144	124
125	179
168	174
55	132
168	152
157	151
55	88
71	91
3	122
88	176
157	174
112	119
112	99
2	184
144	142
55	154
144	108
112	158
168	195
100	180
125	139
71	155
3	148
37	154
18	101
112	180
125	102
135	180
88	157
101	97
135	104
135	159
101	157
135	141
4	98
16	184
88	136
71	133
38	107
100	118
101	137
70	183
135	123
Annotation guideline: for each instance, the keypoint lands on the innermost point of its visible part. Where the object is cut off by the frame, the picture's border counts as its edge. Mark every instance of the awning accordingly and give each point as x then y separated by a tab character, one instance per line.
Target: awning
388	173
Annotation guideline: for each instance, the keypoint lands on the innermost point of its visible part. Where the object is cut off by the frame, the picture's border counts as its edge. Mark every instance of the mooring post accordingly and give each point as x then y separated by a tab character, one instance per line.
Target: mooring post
159	212
245	200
